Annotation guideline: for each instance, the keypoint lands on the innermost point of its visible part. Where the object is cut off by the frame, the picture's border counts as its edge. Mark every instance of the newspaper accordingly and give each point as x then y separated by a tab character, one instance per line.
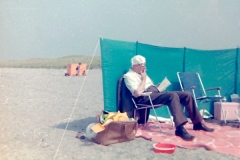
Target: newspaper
164	84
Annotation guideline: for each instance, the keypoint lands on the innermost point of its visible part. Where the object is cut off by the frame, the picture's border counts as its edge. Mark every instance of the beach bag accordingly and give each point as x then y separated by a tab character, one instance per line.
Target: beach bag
116	132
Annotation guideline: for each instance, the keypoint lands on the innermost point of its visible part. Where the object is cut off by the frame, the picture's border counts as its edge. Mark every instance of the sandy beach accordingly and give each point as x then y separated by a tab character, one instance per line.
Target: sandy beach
41	112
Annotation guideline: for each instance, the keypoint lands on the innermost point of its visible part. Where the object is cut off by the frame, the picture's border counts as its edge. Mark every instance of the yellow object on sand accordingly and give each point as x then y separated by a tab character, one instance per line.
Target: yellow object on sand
116	116
110	115
98	127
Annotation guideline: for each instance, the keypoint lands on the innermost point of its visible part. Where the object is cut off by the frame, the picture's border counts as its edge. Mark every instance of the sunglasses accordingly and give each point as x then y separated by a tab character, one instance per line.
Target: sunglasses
142	64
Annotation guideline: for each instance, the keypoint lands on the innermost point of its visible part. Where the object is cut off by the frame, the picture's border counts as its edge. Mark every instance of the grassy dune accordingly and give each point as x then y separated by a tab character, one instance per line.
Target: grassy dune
56	63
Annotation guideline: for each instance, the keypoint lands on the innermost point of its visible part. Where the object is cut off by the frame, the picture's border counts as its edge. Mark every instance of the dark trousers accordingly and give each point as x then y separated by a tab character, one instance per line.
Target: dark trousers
174	100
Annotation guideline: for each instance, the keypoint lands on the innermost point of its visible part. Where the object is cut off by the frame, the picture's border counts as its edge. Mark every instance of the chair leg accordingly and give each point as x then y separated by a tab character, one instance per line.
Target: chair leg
204	108
237	115
170	117
155	114
157	119
134	113
145	116
223	114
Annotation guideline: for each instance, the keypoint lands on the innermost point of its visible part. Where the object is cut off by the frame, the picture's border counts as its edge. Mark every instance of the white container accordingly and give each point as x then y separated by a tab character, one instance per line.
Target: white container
231	110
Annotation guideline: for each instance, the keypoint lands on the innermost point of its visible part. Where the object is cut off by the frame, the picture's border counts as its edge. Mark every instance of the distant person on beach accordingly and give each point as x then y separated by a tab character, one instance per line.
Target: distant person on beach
137	81
78	69
84	73
68	66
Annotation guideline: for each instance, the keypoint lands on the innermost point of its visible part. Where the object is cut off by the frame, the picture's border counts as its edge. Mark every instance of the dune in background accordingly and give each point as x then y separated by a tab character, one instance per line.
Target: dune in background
56	63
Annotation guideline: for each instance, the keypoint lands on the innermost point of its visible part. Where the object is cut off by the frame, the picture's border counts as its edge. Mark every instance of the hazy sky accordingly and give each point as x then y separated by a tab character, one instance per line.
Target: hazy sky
56	28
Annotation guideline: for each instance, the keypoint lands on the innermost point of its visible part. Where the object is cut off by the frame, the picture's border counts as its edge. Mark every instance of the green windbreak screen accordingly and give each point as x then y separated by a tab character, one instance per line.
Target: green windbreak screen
115	56
217	69
162	62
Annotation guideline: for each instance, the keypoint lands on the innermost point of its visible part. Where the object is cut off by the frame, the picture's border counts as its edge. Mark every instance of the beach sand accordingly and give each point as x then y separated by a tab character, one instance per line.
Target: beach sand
41	112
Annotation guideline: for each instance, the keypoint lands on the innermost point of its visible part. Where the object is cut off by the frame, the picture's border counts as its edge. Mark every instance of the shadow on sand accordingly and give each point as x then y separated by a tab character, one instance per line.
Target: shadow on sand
75	125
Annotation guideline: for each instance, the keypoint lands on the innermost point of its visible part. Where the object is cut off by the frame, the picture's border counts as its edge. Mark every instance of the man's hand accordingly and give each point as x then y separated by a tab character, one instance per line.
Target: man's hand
140	88
143	74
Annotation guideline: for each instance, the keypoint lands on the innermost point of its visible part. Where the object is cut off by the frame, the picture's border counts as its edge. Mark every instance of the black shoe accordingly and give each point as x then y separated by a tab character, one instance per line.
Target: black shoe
201	126
184	134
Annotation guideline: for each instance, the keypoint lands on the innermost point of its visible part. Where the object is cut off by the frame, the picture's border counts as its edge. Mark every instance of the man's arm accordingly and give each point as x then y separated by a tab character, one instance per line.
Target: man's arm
137	92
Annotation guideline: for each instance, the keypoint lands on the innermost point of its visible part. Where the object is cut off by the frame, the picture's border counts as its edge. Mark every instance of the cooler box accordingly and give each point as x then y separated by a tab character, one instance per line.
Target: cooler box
231	109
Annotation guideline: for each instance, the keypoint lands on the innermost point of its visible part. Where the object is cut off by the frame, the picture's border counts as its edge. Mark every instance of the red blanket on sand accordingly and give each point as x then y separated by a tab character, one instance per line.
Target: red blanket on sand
224	139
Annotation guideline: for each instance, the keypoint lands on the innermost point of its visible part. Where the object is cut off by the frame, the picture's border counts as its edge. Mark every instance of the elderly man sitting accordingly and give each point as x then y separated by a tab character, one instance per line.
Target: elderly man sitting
137	81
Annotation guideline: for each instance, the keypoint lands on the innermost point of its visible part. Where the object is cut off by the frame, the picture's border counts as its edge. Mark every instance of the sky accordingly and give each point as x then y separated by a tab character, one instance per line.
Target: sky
57	28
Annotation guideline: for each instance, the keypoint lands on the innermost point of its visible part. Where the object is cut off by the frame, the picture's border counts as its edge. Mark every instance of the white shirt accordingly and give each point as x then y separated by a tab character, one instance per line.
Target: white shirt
133	80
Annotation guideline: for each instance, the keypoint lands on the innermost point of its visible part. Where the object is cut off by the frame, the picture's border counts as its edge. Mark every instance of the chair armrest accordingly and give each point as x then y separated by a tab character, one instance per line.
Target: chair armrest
216	88
146	93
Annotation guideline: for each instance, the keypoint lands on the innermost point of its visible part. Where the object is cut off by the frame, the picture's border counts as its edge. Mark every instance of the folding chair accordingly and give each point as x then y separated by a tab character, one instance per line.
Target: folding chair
191	82
124	104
